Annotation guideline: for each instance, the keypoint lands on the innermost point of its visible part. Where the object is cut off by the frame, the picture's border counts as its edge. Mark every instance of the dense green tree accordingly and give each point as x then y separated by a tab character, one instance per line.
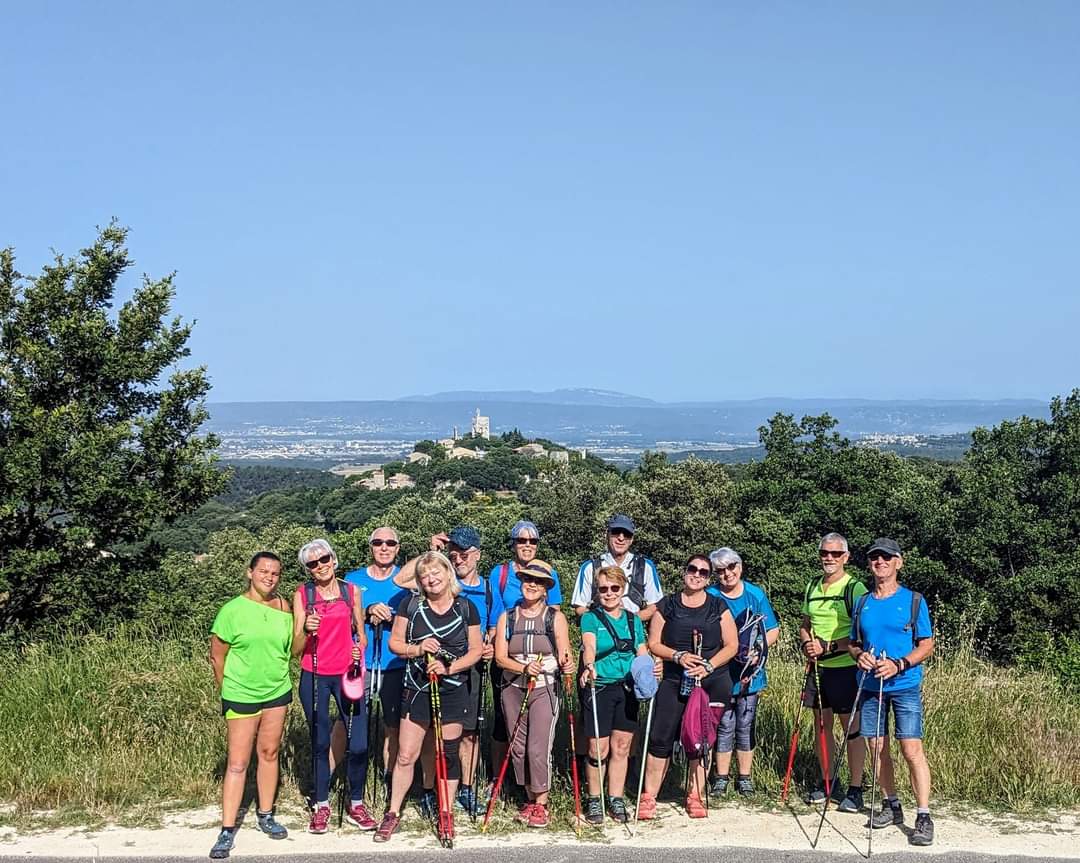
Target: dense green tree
94	448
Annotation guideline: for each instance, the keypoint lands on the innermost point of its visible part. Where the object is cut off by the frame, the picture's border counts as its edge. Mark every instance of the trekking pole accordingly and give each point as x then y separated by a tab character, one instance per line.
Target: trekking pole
876	761
374	716
596	741
444	829
509	748
644	751
840	755
568	683
355	671
479	743
794	735
314	705
821	725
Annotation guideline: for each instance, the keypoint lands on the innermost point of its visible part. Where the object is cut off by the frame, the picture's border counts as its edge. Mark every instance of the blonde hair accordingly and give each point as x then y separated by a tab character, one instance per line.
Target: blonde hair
615	573
436	559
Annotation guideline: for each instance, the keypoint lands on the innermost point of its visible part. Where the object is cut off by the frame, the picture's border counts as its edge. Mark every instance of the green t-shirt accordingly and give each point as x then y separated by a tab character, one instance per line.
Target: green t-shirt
614	666
829	618
259	639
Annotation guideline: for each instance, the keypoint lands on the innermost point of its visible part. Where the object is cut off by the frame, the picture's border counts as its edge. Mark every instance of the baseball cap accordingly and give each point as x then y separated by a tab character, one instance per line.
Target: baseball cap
645	682
889	546
621	522
465	537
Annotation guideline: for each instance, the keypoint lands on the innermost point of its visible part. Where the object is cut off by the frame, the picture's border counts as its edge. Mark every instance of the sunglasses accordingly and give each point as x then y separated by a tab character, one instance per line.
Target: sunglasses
620	533
526	540
320	561
703	571
608	588
720	570
825	552
880	555
389	543
533	579
458	552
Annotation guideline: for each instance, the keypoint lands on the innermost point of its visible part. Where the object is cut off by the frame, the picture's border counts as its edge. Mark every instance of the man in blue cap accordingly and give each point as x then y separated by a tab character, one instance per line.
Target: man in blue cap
524	546
643	589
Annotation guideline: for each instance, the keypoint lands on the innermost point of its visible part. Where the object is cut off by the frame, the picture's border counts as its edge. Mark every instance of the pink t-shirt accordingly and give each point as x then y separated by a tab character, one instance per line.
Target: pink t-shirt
335	639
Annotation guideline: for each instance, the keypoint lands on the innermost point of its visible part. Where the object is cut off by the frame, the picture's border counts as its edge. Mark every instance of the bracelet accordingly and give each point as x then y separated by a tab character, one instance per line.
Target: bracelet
677	656
806	642
708	666
902	665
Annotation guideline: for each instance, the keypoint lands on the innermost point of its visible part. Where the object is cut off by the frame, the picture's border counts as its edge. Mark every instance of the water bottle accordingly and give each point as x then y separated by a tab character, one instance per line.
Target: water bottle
687	684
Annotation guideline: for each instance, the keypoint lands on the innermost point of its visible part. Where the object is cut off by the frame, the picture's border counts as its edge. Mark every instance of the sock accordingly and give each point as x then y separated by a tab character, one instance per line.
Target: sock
261	814
744	776
230	829
893	801
854	788
464	787
922	810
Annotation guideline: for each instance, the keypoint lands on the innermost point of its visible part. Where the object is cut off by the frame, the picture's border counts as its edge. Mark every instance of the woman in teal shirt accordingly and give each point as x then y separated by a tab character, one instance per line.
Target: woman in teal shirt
610	639
249	651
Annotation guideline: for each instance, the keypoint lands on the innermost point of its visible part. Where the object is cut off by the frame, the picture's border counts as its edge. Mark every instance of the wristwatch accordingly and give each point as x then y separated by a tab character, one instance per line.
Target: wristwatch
708	666
677	656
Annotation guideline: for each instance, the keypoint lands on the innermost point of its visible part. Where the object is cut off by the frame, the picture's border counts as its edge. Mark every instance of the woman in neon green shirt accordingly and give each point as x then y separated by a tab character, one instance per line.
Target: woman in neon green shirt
249	651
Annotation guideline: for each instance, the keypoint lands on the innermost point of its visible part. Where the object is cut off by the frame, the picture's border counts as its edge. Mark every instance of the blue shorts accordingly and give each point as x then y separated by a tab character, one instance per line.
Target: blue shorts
907	710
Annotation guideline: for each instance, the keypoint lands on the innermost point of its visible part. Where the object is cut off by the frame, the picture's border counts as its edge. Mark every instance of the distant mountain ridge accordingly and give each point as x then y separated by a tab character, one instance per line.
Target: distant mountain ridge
568	396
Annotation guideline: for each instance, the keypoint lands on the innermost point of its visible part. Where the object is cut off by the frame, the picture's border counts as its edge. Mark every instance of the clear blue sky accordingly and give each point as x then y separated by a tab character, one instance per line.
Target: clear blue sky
679	200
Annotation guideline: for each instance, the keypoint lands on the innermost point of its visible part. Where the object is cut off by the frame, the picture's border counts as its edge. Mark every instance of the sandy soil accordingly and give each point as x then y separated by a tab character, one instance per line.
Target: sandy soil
192	833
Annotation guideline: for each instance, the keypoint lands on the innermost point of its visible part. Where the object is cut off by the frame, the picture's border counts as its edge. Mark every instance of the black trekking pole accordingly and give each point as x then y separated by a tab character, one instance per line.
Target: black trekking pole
840	755
876	761
314	707
375	753
478	744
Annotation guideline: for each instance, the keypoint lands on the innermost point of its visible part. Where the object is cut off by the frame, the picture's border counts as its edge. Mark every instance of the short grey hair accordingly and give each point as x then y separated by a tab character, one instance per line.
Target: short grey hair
384	527
833	537
724	557
316	549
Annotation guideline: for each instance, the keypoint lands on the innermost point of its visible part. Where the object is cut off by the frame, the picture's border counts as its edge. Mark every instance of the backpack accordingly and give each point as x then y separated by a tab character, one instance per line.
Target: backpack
848	597
346	597
916	599
549	623
697	734
635	588
622	645
753	649
416	604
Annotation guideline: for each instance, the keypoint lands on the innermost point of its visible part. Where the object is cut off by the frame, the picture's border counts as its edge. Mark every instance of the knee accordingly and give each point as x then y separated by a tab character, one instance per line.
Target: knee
268	751
236	767
912	749
620	748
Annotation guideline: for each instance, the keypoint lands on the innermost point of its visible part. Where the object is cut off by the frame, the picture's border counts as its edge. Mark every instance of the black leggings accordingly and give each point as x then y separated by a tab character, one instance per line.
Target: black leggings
356	762
670	706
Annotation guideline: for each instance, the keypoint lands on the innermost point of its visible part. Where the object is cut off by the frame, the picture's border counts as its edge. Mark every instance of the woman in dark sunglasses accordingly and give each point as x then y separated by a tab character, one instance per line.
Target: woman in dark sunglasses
328	635
694	633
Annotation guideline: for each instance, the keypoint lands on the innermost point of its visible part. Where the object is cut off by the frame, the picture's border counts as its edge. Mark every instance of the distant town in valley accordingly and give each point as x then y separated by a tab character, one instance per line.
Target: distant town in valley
357	438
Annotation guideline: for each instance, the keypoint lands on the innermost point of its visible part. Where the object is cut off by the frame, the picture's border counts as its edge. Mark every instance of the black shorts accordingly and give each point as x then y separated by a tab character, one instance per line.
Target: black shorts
616	709
454	705
670	707
393	682
838	688
251	709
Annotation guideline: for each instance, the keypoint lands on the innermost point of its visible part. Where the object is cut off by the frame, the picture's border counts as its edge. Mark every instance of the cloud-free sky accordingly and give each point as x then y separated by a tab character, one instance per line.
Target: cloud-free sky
680	200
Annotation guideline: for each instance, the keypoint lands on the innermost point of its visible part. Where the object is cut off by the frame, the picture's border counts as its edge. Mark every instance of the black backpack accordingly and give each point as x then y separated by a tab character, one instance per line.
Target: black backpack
635	588
622	645
549	623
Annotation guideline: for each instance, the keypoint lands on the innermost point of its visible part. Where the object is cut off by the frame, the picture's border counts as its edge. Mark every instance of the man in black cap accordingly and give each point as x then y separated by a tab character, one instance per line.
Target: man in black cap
643	589
891	637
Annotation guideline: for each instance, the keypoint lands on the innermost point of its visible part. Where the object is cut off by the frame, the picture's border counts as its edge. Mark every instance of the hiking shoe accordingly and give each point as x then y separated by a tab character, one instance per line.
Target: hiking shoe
695	808
357	814
428	804
224	844
719	786
817	795
539	816
593	813
837	794
887	815
852	801
266	823
617	810
466	800
387	827
524	813
320	820
745	786
923	834
646	804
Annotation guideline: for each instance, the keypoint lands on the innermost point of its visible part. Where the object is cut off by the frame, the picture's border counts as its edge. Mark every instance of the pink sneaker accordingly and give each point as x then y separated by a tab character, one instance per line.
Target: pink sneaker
524	813
539	816
320	820
358	815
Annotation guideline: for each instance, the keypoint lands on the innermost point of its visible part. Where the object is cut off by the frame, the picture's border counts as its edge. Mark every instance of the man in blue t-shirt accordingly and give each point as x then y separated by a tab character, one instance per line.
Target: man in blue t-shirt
754	618
385	669
891	637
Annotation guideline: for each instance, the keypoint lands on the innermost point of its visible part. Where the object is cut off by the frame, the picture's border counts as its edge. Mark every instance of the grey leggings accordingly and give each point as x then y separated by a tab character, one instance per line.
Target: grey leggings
535	736
737	724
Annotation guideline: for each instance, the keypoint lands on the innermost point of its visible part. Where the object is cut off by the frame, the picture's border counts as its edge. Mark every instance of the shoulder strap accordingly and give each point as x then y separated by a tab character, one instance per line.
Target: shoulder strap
346	593
916	599
595	569
810	589
549	625
849	595
637	580
856	614
487	596
504	574
511	614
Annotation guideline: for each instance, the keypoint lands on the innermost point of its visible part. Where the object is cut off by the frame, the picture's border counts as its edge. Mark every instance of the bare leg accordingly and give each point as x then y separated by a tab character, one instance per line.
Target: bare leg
723	763
745	760
655	770
915	756
240	735
267	745
410	739
856	749
618	762
592	773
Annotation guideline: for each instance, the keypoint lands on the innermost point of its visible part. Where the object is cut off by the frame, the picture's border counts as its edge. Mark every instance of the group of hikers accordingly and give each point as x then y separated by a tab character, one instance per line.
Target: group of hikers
415	646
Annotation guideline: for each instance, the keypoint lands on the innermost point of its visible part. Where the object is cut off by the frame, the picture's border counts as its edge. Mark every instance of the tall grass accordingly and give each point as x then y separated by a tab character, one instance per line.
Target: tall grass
103	727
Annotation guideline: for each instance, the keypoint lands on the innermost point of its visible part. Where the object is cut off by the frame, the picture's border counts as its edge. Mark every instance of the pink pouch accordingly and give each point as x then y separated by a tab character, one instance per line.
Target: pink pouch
352	681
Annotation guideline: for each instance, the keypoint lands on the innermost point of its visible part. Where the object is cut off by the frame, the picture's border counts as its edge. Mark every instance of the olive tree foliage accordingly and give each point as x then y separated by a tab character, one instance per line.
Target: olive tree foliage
94	447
